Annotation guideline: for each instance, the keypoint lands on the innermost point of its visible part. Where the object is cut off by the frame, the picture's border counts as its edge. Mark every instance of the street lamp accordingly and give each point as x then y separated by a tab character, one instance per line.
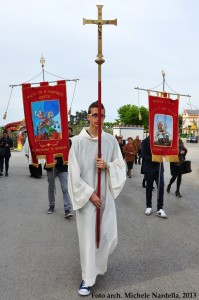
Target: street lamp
163	74
42	62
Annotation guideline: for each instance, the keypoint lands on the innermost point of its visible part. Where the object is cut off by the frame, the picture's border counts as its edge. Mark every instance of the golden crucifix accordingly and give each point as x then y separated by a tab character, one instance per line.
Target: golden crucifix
99	60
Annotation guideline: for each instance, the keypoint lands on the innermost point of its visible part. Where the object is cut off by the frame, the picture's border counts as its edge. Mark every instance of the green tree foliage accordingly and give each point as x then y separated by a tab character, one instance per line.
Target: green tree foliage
133	115
79	118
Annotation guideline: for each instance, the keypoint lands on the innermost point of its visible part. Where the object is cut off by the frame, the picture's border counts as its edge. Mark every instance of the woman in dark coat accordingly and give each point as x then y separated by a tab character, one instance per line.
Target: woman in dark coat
7	143
177	169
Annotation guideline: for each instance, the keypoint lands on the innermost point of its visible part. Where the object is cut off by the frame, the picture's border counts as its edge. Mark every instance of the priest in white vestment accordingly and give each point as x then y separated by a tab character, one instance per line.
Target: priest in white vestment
82	186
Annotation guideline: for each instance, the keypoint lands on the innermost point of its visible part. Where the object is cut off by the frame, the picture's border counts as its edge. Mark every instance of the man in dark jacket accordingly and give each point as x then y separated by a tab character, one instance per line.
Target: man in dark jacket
6	143
59	170
154	171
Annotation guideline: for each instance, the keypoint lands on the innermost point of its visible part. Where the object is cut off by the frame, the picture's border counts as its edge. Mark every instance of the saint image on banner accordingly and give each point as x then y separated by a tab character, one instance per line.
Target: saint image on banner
163	130
46	120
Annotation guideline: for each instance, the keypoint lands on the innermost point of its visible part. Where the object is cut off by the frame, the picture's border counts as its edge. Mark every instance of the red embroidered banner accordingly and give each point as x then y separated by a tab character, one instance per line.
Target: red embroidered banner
45	109
163	125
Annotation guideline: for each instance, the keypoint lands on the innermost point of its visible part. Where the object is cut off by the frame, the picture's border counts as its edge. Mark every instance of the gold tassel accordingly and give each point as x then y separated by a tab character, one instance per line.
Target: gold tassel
4	116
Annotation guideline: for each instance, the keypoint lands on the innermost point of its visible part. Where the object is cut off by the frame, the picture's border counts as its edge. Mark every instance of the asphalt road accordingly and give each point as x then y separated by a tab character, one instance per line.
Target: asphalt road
154	259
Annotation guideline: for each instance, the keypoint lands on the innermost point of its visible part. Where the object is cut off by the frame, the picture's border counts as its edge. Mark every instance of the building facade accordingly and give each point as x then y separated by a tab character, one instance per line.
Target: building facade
190	122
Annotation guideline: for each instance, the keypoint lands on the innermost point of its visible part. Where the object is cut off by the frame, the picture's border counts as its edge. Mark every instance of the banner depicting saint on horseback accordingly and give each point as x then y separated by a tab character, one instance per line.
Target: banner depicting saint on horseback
46	120
45	109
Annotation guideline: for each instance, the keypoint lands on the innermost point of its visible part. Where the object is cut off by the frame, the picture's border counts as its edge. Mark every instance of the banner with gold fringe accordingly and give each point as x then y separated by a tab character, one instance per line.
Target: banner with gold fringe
45	109
163	127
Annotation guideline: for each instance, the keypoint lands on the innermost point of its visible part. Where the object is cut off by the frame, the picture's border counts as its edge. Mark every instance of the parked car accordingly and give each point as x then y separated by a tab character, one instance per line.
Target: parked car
194	139
188	138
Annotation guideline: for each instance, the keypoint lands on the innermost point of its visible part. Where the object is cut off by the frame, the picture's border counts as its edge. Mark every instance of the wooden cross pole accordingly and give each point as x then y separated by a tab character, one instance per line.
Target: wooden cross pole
99	60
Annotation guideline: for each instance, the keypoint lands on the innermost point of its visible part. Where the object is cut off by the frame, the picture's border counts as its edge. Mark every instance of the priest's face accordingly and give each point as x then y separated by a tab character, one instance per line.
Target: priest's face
93	117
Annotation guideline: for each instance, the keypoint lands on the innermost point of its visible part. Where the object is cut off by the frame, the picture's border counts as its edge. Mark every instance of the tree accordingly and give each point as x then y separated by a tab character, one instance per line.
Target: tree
80	118
133	115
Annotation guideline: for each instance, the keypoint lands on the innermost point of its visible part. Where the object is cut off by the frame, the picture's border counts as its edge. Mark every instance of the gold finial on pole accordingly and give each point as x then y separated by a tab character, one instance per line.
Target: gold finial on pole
42	62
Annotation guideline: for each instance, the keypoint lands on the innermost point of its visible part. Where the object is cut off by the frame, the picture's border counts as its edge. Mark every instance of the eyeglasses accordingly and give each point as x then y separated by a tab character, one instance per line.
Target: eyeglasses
96	116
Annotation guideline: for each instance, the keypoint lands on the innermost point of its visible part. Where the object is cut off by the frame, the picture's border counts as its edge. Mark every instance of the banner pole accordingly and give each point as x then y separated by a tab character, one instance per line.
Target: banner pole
175	94
34	83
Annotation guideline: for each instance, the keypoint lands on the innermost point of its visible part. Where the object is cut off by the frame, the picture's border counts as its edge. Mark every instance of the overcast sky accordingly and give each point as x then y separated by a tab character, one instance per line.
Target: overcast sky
151	36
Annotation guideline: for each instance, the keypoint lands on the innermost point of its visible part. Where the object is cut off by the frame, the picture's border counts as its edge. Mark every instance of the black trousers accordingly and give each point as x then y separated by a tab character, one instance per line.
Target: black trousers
6	160
150	178
35	172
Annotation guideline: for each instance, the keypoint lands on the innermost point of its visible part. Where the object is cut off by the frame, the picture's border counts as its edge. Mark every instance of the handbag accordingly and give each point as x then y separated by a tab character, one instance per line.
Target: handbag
2	152
186	167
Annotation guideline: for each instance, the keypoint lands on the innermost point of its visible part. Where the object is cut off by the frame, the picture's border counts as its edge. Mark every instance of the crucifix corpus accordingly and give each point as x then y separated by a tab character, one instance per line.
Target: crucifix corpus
99	60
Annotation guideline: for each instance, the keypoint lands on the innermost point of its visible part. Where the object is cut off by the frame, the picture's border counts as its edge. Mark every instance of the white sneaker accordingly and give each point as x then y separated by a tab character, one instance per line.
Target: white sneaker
148	211
160	213
84	290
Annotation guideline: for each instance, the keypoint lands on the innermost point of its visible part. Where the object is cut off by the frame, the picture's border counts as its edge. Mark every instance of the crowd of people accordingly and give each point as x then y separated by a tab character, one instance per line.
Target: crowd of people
139	152
79	180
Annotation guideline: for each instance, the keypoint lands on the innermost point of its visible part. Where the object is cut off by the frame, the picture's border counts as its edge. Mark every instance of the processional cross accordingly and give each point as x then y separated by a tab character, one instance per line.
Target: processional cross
99	60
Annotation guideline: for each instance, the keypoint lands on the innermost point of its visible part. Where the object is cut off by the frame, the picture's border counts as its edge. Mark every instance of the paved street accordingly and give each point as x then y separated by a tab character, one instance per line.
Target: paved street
154	259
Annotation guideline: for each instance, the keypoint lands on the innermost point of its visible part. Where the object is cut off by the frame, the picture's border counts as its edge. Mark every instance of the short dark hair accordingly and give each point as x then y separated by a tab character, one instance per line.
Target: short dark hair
70	128
130	138
94	105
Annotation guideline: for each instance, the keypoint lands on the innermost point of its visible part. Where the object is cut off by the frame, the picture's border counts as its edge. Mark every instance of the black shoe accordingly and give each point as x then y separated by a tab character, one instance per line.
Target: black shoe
51	210
68	214
6	174
168	188
178	194
1	174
